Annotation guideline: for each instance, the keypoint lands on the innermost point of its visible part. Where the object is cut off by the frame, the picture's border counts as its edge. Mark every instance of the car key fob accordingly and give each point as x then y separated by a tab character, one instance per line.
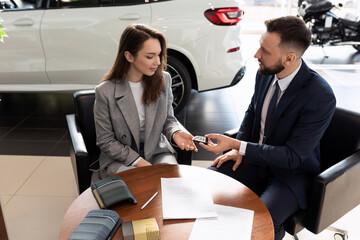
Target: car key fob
200	139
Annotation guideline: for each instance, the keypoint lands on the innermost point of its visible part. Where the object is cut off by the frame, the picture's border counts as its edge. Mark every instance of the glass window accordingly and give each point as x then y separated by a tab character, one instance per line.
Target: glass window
74	3
93	3
17	4
129	2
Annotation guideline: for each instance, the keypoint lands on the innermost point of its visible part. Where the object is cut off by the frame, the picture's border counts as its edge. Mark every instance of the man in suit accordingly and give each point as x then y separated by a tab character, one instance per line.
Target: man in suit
276	152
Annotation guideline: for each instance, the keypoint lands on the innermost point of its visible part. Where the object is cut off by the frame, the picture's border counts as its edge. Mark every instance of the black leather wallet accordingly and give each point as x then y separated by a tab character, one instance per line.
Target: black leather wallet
111	190
98	224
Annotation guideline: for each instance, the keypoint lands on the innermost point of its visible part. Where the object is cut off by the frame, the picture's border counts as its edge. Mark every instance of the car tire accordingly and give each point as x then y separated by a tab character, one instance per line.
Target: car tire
181	83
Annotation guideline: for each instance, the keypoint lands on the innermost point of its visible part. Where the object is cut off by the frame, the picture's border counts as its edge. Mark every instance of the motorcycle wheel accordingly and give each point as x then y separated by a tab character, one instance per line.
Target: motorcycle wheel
357	47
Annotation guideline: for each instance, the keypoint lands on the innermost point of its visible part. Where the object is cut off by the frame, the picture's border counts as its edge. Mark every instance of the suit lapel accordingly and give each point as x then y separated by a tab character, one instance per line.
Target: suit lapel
293	90
126	103
265	83
263	90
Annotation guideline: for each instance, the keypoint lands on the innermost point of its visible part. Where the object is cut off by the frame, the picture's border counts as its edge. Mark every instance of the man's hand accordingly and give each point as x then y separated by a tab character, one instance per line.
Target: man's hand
223	143
184	141
232	155
142	163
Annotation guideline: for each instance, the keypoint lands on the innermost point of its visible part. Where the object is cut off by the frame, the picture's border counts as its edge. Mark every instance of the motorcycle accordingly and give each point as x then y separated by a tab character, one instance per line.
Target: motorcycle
327	28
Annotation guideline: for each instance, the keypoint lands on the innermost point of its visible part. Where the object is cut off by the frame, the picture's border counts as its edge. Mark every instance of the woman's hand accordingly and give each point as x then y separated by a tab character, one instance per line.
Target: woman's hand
142	163
184	141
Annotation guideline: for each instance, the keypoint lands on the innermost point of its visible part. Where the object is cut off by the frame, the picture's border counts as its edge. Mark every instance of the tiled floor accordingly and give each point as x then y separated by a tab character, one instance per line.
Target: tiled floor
35	193
37	183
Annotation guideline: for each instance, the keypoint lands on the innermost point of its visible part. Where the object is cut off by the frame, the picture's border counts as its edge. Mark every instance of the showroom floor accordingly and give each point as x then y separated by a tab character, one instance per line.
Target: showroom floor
37	183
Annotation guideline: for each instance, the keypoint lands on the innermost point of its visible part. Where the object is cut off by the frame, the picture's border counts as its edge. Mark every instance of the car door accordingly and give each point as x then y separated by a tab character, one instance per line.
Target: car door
80	38
22	59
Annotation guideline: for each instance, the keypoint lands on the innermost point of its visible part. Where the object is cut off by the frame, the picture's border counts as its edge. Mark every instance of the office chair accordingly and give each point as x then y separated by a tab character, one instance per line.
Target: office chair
83	150
335	191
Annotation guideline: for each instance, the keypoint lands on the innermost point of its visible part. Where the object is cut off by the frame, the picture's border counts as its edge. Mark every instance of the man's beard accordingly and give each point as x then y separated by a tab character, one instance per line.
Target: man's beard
274	70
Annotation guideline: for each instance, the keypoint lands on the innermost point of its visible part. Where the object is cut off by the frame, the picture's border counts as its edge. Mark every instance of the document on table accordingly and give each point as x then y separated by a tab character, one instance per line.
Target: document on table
186	199
231	224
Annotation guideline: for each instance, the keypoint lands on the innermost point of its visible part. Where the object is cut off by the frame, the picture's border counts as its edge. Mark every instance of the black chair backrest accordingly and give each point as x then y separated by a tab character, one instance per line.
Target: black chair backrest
341	139
84	105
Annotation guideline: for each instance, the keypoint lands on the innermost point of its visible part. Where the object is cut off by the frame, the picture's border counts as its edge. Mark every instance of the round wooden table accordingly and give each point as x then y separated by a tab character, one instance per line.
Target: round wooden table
145	181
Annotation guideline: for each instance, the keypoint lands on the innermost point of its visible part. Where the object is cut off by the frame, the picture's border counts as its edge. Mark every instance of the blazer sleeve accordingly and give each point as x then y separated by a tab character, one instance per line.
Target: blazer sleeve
105	135
171	124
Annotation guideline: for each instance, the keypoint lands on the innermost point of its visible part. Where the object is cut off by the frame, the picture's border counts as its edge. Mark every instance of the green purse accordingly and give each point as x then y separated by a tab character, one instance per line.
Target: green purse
111	190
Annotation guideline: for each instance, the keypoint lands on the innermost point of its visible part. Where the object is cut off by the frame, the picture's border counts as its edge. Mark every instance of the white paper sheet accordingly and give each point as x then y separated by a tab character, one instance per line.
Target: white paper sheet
186	199
231	224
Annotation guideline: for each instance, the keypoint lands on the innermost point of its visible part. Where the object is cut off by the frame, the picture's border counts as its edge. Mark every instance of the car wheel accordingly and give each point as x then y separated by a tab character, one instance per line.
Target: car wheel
181	82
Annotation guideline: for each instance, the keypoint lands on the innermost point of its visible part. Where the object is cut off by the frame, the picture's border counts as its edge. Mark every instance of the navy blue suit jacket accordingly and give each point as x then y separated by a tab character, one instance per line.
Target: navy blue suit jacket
292	148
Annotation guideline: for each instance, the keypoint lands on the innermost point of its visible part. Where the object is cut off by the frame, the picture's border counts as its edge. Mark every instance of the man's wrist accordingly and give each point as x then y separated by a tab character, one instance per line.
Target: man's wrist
235	144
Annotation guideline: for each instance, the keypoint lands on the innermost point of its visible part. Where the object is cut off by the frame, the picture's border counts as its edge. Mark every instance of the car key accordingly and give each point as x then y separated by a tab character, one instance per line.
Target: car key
200	139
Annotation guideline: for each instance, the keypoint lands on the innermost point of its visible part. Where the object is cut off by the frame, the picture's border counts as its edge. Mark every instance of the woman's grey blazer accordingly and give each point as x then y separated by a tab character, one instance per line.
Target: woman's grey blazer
118	126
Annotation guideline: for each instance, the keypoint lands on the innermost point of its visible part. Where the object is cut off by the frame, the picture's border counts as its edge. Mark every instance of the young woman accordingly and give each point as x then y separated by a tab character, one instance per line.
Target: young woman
134	118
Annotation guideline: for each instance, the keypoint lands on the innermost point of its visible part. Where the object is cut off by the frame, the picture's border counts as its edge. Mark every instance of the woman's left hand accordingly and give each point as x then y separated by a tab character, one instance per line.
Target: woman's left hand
184	141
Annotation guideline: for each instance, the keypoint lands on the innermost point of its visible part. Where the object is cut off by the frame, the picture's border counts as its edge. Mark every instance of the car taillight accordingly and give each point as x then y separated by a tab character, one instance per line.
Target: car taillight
224	16
235	49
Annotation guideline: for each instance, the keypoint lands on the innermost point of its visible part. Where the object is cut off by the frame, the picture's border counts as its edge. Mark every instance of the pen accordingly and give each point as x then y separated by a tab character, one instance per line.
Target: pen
149	200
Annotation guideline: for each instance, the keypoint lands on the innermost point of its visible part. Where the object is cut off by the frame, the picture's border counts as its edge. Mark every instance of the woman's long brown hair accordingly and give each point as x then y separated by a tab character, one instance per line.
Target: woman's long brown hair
132	40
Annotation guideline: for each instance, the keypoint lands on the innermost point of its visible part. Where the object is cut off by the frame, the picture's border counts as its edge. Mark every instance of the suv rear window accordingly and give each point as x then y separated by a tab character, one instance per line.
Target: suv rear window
93	3
17	4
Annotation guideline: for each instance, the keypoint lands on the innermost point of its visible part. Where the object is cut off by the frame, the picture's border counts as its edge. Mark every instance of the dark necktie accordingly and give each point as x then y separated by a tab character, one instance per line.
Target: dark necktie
271	109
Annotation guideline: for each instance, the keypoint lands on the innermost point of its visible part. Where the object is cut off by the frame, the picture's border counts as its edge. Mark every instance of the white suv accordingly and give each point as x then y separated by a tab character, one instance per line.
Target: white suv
67	45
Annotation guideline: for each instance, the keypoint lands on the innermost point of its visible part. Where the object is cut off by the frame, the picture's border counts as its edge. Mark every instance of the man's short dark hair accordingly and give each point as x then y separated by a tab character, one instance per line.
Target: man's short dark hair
294	33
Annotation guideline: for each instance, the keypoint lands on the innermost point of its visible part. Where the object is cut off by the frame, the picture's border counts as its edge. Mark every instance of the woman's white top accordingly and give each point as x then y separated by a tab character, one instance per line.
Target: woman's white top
137	90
